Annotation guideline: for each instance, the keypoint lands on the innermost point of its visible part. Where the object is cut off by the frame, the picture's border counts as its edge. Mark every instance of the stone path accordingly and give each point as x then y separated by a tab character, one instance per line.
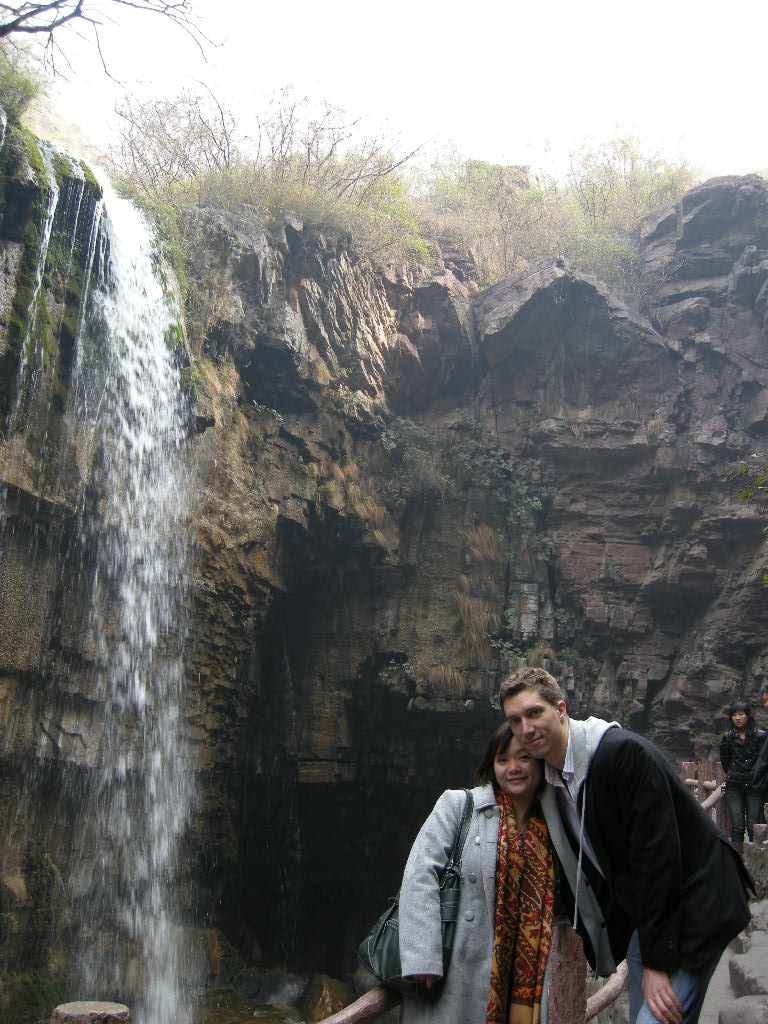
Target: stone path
738	992
719	994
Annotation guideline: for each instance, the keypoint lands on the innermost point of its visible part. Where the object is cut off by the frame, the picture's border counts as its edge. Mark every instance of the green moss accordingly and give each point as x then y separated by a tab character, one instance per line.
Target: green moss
62	165
20	313
192	377
32	151
31	997
91	179
174	336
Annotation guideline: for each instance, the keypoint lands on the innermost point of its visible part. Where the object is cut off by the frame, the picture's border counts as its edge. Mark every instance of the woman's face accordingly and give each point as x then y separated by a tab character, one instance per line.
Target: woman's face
517	773
739	719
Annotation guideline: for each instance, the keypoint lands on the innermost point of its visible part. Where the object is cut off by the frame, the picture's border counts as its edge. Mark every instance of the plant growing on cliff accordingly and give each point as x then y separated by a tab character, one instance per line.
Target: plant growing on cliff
508	218
190	151
476	617
20	83
416	453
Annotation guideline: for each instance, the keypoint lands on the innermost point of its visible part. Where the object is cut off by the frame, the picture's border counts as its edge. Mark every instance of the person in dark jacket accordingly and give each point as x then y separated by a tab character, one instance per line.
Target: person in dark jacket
651	877
760	777
739	750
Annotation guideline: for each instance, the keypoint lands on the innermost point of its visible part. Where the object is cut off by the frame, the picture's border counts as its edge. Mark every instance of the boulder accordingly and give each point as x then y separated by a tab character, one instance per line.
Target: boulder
747	1010
748	970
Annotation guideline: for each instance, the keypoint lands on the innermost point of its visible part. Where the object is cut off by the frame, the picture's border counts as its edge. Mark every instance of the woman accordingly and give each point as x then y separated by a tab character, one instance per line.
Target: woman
739	750
504	927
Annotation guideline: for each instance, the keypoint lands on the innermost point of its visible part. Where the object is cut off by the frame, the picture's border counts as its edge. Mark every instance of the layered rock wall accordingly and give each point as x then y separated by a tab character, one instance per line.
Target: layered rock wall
404	486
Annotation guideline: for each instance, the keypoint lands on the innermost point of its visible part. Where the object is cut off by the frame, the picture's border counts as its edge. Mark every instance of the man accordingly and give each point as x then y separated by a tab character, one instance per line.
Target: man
651	877
760	776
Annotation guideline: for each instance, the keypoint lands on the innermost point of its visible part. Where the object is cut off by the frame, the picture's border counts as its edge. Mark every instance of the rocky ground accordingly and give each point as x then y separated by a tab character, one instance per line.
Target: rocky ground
738	993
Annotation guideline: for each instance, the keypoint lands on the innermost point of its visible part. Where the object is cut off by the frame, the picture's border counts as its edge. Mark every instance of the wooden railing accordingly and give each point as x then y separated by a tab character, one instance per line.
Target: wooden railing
705	779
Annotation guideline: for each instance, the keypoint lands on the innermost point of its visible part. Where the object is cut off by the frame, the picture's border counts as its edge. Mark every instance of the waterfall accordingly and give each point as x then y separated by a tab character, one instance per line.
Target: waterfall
126	397
108	762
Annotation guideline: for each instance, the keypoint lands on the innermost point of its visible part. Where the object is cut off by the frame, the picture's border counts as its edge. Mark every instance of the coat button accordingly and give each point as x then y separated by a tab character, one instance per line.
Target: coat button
477	840
489	813
472	876
469	915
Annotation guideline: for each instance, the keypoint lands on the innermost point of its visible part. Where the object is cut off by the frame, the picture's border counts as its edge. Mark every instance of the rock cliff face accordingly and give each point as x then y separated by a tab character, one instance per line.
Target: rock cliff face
404	486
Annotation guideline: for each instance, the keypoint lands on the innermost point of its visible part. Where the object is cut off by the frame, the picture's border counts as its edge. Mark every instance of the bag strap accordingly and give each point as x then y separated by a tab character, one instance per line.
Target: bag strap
461	838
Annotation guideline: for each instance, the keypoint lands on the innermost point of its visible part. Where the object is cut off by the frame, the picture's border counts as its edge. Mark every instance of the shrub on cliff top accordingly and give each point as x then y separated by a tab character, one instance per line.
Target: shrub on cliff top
510	218
20	84
191	152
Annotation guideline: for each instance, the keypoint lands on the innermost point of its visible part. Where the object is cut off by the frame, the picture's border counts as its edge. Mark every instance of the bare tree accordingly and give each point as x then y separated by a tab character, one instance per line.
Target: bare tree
44	17
189	148
165	145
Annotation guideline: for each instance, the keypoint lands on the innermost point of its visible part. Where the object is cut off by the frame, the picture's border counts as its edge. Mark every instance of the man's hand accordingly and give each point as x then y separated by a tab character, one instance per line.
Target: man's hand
660	996
423	979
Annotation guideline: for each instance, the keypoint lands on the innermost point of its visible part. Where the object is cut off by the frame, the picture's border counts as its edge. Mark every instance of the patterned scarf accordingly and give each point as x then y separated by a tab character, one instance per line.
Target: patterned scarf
523	924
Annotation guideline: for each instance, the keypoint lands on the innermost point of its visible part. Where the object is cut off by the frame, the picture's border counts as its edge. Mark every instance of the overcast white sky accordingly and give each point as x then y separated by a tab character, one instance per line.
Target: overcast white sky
503	80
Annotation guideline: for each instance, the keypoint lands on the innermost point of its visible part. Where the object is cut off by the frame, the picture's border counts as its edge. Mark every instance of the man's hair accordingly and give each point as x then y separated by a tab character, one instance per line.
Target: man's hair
531	679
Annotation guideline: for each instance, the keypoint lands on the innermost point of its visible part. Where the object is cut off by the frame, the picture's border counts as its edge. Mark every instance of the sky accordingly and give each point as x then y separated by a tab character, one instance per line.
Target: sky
507	81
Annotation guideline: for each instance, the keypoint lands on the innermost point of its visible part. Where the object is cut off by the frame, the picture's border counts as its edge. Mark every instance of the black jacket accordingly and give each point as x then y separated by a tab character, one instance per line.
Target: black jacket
760	777
669	871
739	759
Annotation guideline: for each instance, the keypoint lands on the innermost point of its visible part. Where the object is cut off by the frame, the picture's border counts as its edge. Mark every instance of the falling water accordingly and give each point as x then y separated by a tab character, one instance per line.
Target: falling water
126	383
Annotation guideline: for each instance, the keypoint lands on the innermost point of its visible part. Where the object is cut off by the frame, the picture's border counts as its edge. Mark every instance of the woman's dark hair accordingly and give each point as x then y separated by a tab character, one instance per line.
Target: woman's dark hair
499	741
742	705
497	744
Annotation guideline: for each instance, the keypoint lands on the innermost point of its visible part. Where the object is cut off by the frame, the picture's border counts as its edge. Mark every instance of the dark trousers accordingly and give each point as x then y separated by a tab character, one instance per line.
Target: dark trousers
745	806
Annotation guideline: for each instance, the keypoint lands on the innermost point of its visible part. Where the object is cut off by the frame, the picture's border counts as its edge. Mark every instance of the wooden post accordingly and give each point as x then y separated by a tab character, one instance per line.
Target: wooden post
568	965
369	1006
704	775
722	814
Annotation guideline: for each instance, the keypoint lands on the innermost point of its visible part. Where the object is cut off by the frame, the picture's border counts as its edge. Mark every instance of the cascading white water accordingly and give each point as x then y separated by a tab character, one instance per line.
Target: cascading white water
128	401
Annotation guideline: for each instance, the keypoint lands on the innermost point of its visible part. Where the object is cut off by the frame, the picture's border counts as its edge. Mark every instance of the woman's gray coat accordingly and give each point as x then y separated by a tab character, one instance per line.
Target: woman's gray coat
464	997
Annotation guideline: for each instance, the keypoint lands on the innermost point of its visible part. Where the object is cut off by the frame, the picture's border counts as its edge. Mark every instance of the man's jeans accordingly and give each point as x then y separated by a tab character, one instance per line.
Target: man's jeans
690	987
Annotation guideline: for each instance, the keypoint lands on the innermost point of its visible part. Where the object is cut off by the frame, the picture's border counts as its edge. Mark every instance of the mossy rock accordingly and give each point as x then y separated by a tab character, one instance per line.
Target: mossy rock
271	985
22	173
323	996
224	961
225	1006
30	997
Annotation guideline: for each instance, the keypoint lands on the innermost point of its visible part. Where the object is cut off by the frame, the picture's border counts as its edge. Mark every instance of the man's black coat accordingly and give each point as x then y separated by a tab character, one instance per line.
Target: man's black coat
669	871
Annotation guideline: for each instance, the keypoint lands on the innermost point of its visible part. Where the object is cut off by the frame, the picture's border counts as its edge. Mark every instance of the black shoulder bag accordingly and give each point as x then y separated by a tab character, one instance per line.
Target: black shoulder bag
379	952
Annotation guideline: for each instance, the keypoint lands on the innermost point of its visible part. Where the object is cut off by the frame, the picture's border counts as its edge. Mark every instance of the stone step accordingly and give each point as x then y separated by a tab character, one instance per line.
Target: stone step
89	1012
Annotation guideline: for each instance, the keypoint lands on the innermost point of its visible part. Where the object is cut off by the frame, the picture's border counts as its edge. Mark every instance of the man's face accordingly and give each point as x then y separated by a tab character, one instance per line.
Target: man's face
764	696
538	725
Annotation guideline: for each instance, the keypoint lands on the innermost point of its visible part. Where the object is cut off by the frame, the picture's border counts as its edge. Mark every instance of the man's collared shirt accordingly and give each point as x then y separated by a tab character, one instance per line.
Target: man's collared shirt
567	792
